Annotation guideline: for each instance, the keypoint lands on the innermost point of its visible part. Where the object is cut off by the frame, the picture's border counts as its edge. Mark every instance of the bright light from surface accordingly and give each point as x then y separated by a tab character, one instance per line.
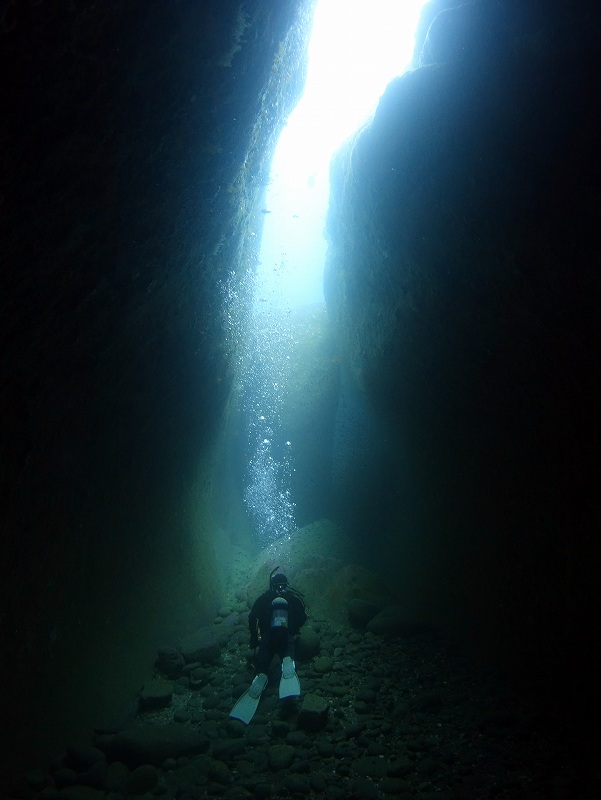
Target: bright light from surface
356	48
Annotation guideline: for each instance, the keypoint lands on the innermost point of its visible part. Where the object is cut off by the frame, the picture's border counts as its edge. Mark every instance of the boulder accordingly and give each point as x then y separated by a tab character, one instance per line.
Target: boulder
318	547
393	621
280	756
81	793
143	779
170	662
220	773
307	644
225	630
228	749
116	776
354	582
156	694
49	793
81	757
372	767
360	612
152	744
37	779
323	665
200	646
95	776
313	713
114	719
64	777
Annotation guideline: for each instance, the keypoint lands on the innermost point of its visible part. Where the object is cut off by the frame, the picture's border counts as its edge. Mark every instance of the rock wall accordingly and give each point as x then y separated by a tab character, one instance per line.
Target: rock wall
136	138
462	282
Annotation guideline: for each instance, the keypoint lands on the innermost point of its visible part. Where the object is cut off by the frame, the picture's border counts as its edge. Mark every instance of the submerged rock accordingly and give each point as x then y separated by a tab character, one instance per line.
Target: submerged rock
81	793
352	585
280	756
381	726
116	776
95	776
81	757
170	661
200	646
64	777
38	779
143	779
156	694
360	612
115	719
393	621
307	644
152	744
314	712
323	664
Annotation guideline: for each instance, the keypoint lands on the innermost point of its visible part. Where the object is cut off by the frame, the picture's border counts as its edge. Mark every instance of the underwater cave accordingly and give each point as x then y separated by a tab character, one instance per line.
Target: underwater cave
385	386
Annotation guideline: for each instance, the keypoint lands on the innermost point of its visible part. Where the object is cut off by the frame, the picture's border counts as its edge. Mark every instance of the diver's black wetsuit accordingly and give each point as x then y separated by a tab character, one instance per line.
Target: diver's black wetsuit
274	640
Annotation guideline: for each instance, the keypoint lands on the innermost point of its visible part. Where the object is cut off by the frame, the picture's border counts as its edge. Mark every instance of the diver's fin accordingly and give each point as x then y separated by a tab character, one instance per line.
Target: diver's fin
289	682
247	704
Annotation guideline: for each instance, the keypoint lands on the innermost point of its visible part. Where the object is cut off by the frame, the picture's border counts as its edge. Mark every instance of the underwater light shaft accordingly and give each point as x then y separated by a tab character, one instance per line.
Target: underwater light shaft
356	48
265	370
267	496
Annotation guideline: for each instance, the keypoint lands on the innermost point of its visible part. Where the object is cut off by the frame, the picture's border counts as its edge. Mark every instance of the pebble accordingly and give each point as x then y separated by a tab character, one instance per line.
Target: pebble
399	717
280	756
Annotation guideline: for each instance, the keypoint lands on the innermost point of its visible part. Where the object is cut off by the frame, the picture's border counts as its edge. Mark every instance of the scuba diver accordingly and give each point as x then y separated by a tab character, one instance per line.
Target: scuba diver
274	620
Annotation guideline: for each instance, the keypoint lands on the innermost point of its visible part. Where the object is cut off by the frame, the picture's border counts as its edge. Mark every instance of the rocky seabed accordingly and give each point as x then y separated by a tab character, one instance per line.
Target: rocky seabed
406	716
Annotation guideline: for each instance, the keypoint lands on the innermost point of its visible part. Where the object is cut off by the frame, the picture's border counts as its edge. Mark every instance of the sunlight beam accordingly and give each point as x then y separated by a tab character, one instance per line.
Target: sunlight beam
357	47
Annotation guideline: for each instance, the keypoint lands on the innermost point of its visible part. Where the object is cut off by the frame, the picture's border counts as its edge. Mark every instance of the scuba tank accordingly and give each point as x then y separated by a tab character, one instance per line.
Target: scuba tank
279	604
278	584
279	612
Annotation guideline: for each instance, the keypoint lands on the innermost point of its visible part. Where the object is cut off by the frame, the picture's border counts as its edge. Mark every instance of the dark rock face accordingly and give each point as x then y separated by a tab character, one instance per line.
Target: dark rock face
136	139
463	283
